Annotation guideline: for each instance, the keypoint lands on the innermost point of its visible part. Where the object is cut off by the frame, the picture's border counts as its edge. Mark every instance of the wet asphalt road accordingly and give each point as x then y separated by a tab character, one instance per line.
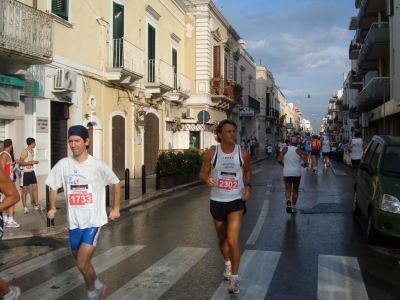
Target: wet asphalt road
324	226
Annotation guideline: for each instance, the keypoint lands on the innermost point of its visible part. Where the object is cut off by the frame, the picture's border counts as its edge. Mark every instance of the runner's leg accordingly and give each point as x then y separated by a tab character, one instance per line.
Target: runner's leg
232	237
83	260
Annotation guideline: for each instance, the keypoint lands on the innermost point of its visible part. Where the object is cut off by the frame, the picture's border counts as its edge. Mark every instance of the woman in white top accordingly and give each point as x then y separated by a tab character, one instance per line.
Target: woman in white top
326	149
356	149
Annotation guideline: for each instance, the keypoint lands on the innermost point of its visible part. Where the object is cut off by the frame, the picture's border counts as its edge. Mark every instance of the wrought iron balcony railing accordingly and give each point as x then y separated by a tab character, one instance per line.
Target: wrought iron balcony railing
26	30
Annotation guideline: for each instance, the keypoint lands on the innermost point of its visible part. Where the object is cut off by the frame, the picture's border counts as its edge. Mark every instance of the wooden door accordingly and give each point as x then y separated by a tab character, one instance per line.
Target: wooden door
151	145
118	146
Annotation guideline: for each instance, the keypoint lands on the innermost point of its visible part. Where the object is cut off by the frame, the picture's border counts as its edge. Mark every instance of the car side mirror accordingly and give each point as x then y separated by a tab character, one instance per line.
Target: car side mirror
367	168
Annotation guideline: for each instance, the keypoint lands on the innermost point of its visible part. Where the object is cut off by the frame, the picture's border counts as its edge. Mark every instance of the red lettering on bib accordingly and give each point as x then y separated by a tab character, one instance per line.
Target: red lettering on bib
228	184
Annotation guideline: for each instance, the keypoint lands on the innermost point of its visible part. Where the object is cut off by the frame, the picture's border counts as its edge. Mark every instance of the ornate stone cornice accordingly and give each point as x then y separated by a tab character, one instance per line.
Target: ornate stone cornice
151	11
175	37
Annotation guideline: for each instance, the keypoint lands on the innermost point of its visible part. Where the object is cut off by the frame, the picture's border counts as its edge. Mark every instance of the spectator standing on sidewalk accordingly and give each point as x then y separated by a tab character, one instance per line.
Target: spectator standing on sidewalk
256	147
28	176
7	164
10	197
84	179
292	159
356	148
269	151
226	170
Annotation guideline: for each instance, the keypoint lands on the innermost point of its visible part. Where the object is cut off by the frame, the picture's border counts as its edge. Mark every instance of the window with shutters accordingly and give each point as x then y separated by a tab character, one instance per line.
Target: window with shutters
151	54
217	61
175	67
118	34
60	8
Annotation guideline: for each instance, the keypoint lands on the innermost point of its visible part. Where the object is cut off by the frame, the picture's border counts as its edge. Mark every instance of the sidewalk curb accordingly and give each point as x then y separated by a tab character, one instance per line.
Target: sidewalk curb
125	204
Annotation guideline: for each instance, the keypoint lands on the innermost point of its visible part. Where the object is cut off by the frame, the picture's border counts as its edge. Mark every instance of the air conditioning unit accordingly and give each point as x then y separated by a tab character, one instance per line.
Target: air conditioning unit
65	80
190	113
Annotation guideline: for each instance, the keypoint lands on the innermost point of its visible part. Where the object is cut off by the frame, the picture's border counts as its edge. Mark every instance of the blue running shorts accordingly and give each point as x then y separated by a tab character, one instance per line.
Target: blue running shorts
88	236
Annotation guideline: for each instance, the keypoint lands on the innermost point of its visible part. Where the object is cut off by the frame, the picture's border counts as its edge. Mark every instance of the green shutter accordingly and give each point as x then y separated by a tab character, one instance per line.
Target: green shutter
118	25
151	54
60	8
152	42
175	66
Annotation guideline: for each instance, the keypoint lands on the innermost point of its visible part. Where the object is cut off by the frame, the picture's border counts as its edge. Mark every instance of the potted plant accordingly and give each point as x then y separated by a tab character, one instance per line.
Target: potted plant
191	164
178	162
166	169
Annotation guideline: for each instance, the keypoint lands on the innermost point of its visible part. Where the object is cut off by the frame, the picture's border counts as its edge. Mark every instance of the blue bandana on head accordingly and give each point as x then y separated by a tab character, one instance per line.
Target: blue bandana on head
79	130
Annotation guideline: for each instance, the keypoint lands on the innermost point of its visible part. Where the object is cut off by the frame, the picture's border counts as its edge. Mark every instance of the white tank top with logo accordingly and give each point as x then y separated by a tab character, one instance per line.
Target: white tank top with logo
227	170
357	148
326	146
292	163
27	159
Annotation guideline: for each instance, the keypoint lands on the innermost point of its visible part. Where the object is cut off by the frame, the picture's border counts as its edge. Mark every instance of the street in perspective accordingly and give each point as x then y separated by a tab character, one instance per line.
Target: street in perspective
166	248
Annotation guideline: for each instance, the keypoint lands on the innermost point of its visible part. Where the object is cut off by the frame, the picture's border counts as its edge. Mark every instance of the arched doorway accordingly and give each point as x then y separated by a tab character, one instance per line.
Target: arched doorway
118	145
151	140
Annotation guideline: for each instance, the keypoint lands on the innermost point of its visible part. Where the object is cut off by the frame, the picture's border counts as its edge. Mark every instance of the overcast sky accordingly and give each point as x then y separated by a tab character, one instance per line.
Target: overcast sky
305	44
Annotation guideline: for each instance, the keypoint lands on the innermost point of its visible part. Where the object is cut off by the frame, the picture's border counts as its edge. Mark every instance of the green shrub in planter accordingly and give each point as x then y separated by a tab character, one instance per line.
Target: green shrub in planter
166	165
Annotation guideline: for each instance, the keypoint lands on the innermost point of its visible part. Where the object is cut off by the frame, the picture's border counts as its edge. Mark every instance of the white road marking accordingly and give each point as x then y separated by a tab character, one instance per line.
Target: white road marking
34	264
256	231
339	277
157	279
256	171
65	282
254	280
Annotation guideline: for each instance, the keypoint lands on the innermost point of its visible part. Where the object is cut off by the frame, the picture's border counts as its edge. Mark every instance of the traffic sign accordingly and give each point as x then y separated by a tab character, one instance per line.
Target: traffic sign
203	116
352	129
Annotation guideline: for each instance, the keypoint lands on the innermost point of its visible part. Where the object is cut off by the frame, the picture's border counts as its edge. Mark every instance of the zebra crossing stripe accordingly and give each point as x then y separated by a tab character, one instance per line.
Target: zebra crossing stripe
65	282
157	279
339	277
256	231
33	264
254	280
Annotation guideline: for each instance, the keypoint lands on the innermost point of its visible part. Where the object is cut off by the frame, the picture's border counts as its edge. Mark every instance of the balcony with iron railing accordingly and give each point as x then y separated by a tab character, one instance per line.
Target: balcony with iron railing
159	78
250	102
374	94
226	90
25	33
366	18
125	64
272	114
376	44
181	91
354	49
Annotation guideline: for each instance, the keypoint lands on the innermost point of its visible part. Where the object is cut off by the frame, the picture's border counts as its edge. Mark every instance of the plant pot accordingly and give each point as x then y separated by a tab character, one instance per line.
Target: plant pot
191	177
180	179
166	182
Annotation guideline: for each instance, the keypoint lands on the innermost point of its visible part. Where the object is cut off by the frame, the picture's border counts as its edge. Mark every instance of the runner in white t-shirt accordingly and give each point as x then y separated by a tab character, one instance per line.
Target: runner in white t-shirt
84	179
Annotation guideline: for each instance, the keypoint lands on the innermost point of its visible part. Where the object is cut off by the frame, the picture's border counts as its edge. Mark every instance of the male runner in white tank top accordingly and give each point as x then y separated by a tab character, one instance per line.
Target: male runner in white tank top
293	158
356	148
226	170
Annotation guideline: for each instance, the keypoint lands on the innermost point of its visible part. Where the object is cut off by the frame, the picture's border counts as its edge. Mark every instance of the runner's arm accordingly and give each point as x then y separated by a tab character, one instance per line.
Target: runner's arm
247	175
115	213
7	187
206	168
3	161
52	199
280	157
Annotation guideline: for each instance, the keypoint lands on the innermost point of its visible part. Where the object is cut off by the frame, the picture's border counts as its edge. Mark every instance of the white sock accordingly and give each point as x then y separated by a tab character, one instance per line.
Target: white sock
227	263
91	294
97	284
10	219
234	277
5	218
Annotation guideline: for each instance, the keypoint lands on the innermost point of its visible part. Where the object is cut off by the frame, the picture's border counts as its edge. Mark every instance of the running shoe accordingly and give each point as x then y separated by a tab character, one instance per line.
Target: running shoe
25	210
101	292
227	272
233	287
294	209
15	293
38	207
289	206
13	224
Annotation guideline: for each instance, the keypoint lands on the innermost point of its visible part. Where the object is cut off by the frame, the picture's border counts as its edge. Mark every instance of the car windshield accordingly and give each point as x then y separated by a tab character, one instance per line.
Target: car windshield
391	160
342	146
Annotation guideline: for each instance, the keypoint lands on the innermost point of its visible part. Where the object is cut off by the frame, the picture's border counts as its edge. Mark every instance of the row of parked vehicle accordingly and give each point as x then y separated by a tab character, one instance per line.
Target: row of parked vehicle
337	151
